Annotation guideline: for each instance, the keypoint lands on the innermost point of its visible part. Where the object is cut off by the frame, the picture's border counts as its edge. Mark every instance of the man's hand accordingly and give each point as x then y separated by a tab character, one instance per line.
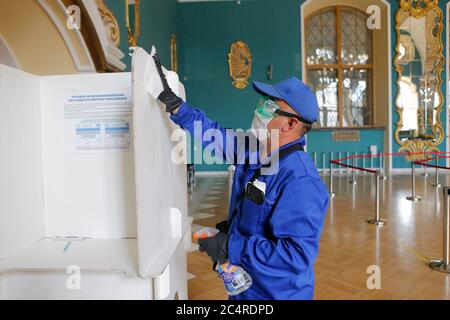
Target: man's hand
168	97
216	247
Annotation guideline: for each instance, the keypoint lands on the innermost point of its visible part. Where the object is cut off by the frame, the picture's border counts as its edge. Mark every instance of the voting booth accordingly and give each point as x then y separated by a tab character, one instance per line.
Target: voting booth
91	204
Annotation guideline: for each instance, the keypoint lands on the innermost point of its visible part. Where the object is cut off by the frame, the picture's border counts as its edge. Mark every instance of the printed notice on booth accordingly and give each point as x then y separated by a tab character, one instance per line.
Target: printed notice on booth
98	122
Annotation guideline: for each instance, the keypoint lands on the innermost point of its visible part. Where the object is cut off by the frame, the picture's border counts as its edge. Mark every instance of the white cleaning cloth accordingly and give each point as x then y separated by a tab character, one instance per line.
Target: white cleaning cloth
154	84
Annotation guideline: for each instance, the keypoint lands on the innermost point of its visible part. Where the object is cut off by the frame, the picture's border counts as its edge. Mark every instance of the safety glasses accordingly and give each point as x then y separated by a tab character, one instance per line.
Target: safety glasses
268	109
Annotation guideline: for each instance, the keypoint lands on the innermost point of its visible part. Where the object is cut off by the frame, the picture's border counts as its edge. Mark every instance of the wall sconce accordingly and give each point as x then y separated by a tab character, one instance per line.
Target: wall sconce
270	72
133	36
240	64
173	53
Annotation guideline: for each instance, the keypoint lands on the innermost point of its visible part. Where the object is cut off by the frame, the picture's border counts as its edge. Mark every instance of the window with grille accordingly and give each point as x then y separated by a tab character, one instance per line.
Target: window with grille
339	66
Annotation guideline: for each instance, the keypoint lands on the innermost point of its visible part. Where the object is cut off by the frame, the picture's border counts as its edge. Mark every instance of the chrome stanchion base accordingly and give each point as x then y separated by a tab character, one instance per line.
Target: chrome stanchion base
439	265
436	185
377	222
415	198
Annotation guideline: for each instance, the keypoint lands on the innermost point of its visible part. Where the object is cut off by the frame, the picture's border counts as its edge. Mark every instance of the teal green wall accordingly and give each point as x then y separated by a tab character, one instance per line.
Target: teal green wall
206	29
158	23
272	30
321	142
205	32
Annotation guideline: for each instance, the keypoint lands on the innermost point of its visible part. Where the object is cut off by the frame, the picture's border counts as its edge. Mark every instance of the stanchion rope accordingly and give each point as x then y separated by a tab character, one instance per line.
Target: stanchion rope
420	162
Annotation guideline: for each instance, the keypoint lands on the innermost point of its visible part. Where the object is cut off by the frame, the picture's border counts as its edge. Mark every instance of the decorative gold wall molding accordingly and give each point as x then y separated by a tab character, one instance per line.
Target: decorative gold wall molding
240	64
418	146
346	135
101	35
110	23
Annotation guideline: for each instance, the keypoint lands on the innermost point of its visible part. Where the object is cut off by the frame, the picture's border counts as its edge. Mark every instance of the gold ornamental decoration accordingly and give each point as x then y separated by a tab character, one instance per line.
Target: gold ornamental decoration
240	64
133	36
110	23
418	8
416	149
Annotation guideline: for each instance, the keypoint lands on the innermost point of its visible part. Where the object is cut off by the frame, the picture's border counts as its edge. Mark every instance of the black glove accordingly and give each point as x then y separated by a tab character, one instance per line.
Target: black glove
222	226
216	247
168	97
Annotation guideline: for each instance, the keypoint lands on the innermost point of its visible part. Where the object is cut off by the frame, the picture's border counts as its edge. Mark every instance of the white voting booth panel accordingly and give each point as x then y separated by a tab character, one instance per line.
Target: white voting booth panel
171	199
21	191
93	269
103	217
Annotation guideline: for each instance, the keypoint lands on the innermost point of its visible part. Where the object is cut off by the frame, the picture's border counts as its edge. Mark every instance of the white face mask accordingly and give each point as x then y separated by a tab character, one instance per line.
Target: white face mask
259	128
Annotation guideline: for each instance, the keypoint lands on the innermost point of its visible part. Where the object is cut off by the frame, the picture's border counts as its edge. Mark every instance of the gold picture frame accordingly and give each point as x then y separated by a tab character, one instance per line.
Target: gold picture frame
428	141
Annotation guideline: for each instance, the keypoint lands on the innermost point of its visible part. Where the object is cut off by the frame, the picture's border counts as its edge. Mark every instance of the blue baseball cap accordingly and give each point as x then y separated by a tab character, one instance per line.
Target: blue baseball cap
295	93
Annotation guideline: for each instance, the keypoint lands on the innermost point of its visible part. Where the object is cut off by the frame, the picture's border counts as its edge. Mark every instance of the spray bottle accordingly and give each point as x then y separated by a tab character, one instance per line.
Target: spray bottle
235	278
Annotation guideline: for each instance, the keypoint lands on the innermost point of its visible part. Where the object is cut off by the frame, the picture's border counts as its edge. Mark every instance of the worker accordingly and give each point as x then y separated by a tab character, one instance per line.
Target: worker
275	220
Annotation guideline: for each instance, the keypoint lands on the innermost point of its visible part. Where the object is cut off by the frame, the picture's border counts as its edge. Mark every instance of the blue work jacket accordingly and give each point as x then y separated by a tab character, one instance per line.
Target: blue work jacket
276	242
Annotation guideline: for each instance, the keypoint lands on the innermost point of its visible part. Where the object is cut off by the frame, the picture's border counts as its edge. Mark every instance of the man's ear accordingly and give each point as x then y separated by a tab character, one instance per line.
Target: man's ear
293	123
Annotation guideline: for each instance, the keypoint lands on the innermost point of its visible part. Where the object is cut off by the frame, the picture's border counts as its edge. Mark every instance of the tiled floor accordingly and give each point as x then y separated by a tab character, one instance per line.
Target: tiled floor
349	245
